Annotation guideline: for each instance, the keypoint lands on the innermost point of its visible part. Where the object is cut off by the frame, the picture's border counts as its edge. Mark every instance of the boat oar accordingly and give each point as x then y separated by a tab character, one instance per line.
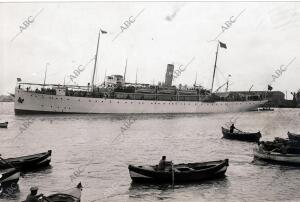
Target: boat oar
173	176
238	130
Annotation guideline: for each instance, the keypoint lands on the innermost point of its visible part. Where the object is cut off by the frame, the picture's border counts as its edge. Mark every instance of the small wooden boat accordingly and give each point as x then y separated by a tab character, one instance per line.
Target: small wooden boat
242	136
71	195
27	163
190	172
4	125
9	176
294	137
276	157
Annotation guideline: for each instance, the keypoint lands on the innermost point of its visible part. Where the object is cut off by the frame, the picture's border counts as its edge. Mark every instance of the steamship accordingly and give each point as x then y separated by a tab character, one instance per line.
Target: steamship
115	96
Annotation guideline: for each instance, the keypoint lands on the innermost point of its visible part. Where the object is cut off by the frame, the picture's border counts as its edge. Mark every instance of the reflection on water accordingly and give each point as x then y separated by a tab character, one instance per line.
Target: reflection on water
9	191
149	191
86	145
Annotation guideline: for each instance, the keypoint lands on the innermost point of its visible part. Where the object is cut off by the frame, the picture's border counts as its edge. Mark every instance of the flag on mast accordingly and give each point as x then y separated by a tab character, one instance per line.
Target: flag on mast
103	32
222	45
270	87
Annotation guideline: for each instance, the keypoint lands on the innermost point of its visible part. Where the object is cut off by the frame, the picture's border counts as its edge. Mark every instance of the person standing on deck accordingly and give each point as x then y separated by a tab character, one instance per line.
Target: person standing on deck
163	163
232	127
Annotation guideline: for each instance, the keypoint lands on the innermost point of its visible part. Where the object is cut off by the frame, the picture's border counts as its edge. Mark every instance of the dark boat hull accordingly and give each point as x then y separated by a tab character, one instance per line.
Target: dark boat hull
71	195
248	137
206	171
294	137
9	177
4	125
27	163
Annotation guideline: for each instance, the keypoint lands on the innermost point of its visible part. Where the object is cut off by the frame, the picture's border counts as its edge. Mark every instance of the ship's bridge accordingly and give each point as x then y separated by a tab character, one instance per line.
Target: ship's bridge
113	80
60	90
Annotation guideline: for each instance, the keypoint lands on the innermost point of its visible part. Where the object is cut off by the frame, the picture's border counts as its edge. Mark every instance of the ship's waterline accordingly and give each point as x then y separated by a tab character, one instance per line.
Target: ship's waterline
31	102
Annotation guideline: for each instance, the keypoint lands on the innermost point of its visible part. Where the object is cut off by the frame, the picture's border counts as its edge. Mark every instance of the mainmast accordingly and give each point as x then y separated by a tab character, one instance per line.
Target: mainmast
96	56
125	71
222	45
212	84
136	76
46	73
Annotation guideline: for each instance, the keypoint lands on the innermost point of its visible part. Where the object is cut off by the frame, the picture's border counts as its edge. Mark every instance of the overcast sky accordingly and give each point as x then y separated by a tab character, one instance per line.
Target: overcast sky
261	38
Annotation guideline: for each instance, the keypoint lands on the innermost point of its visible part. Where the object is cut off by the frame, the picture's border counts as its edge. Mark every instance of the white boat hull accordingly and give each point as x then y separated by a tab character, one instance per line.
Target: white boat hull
30	102
277	157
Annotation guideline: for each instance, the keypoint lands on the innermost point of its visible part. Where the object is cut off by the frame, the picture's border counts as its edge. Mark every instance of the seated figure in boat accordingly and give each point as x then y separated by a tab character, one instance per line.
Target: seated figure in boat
33	197
163	164
232	127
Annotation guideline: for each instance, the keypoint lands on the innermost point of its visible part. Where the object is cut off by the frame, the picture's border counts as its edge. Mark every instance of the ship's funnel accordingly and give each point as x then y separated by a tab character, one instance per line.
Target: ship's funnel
169	75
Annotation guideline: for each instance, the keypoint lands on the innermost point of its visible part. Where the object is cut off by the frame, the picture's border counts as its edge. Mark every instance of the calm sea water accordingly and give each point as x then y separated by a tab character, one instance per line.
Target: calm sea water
92	149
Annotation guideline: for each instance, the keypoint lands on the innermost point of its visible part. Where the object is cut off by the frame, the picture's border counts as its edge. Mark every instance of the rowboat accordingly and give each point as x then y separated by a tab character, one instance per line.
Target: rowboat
4	125
190	172
276	157
27	163
9	176
240	135
71	195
